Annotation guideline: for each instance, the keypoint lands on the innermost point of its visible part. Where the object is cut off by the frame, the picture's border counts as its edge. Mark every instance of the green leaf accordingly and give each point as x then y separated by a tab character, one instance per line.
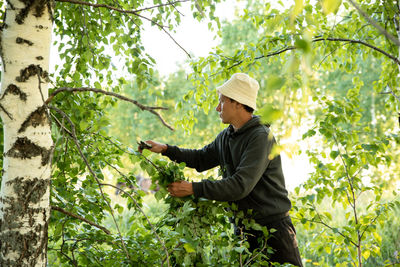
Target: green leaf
270	114
366	253
275	82
331	6
309	133
303	45
334	154
298	7
188	247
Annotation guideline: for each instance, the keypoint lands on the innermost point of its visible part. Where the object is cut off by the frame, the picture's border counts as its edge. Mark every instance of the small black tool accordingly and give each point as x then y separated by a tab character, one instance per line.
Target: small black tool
143	145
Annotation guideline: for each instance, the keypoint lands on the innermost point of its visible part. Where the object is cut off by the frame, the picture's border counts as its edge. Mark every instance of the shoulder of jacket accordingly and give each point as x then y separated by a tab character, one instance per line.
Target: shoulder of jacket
261	129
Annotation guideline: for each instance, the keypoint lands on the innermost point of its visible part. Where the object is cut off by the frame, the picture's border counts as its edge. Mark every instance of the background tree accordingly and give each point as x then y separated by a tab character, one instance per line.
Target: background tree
327	69
84	31
325	52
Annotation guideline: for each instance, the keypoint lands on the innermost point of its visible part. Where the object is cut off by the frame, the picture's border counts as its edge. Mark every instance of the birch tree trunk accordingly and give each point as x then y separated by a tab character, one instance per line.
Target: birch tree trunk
24	196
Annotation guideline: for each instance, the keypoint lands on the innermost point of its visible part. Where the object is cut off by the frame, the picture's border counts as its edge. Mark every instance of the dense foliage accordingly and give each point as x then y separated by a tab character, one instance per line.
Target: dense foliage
327	73
313	63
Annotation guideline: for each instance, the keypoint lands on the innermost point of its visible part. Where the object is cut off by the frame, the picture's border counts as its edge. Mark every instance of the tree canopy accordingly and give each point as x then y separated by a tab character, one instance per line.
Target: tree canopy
328	72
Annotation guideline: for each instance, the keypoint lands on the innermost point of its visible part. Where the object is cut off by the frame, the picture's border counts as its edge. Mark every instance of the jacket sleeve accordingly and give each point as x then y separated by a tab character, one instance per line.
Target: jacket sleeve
199	159
253	163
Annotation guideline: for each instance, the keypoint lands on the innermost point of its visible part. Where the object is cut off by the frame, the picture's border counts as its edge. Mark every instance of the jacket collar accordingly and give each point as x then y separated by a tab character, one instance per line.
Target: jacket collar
254	121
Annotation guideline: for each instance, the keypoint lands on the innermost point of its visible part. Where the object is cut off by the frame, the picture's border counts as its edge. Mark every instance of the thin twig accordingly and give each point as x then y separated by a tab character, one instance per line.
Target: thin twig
6	112
265	56
376	25
105	230
62	245
172	38
369	225
173	5
395	59
392	93
95	90
133	12
247	263
349	179
329	227
64	129
62	113
148	220
289	48
161	5
125	151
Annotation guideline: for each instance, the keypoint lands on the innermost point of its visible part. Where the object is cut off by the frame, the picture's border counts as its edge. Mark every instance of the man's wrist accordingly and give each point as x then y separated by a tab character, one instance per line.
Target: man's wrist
190	189
164	148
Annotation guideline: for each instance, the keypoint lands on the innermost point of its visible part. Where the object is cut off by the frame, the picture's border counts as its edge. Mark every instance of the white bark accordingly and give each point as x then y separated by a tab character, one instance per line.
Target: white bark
24	195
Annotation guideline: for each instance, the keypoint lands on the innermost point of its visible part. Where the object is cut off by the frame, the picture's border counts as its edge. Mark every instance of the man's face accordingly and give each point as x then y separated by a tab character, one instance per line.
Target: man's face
226	109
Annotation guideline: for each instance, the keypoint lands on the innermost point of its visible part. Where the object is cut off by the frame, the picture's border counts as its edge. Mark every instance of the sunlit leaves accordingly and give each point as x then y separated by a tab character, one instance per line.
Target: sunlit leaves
269	114
297	9
276	46
331	6
340	178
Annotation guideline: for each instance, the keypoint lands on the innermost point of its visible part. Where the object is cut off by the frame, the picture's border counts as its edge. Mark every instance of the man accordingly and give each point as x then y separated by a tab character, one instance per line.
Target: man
252	178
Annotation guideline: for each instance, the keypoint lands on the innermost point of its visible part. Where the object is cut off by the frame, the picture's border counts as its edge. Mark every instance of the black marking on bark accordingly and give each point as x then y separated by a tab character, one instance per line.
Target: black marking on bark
44	239
24	148
10	5
15	90
40	7
17	209
31	191
37	117
31	70
50	8
39	58
23	244
11	220
21	16
20	40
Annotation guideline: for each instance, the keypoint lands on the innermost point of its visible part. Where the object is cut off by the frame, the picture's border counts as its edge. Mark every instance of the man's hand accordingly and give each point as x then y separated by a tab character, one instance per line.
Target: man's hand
180	189
155	147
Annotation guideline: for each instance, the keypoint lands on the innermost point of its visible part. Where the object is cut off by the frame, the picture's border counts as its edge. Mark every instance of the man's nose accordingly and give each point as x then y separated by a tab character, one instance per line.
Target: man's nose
218	108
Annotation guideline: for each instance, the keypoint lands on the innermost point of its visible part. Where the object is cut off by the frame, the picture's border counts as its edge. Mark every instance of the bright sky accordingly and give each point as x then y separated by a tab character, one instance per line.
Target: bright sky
193	36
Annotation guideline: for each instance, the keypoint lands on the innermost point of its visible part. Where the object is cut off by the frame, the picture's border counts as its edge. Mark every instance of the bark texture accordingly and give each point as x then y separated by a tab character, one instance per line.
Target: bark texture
24	196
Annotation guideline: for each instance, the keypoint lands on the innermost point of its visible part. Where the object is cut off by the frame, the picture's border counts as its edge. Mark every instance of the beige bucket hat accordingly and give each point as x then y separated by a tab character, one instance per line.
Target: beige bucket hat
242	88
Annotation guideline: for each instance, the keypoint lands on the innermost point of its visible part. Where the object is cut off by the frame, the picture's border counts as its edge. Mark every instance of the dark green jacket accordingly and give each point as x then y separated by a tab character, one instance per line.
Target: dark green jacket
251	179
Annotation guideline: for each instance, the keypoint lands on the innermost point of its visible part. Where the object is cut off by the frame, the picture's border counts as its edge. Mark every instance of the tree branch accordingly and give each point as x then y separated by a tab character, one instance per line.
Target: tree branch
151	225
349	179
172	38
134	12
395	59
161	5
105	230
329	227
6	112
173	5
289	48
75	139
376	25
392	93
95	90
